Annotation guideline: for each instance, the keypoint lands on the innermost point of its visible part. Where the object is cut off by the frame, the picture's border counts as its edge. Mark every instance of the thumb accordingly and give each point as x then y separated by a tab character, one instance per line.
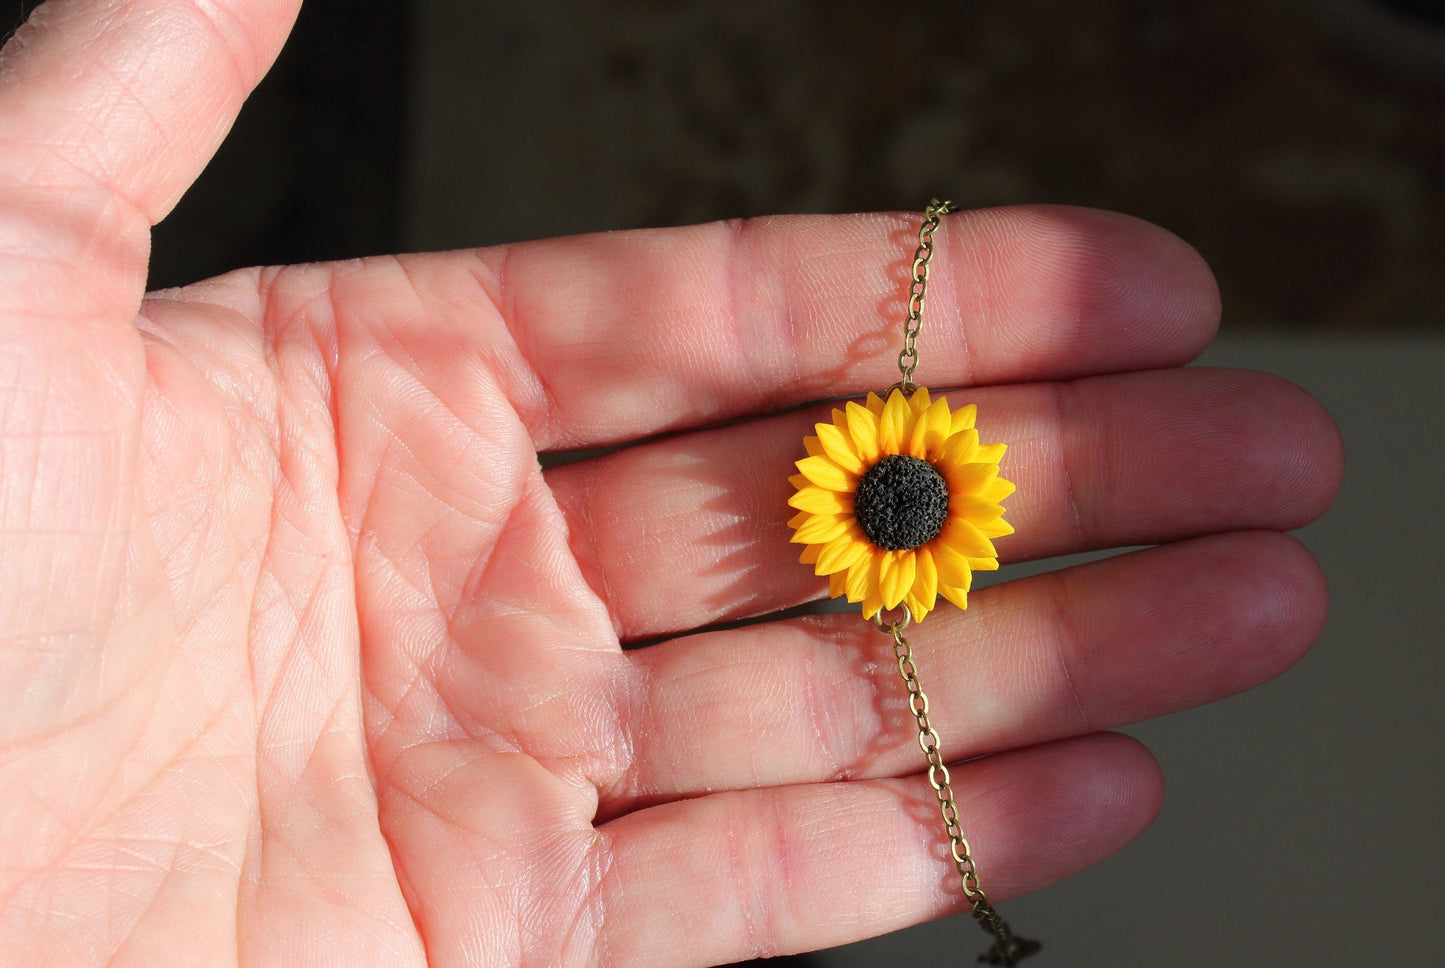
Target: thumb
109	109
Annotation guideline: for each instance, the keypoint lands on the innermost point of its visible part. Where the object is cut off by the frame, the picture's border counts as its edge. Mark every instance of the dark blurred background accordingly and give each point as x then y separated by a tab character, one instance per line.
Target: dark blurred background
1299	145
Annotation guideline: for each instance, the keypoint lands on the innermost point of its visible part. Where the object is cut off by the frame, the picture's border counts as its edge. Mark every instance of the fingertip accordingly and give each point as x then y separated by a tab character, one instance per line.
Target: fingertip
1186	623
1207	450
1082	801
1117	781
1285	611
1182	289
1298	444
1320	454
1115	293
1157	281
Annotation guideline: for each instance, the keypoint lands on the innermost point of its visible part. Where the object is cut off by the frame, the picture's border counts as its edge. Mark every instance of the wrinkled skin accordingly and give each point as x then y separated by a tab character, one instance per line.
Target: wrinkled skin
306	661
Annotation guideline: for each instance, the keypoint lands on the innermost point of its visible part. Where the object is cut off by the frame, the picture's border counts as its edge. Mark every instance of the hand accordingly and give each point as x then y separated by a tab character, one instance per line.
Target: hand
306	661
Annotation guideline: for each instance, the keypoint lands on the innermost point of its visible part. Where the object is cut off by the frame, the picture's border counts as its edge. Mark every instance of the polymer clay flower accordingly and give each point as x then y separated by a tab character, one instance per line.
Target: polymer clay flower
898	501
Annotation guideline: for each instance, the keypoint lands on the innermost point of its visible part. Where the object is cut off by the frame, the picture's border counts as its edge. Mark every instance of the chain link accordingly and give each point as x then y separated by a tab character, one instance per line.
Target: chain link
917	290
1007	949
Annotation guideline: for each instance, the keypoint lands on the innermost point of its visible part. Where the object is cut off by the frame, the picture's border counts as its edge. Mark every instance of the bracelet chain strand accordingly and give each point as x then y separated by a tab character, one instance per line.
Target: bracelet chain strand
917	289
1007	948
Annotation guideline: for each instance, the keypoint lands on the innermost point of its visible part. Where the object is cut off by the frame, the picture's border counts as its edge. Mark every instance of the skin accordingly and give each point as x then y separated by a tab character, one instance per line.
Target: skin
306	660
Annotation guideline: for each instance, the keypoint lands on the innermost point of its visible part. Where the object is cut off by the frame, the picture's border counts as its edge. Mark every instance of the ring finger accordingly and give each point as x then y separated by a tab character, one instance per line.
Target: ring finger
1042	658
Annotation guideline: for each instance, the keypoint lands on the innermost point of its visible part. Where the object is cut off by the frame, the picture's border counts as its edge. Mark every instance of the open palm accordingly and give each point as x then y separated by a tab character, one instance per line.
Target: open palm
306	661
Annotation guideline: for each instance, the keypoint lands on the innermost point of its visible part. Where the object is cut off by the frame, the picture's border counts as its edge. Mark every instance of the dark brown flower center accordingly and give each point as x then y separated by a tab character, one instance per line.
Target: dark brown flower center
901	502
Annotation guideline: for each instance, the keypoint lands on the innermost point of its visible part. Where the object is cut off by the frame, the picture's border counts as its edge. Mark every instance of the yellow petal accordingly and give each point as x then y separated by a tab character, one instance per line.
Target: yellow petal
873	597
953	568
917	609
894	425
930	431
971	507
906	570
925	580
863	428
818	501
826	474
958	596
874	404
820	529
963	479
835	584
961	536
992	453
884	561
997	490
810	554
963	418
836	446
840	553
800	519
798	481
920	401
984	515
896	577
960	448
996	528
859	583
813	446
983	564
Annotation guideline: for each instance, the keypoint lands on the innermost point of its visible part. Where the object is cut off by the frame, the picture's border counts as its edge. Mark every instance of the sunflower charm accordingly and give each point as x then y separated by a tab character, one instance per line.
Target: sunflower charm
898	501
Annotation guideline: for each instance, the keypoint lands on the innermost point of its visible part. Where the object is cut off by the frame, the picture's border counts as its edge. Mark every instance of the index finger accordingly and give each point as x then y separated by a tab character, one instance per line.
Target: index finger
608	337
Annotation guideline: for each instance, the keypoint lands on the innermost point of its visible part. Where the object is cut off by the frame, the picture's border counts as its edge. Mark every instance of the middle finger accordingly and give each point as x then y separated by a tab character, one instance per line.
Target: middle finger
681	532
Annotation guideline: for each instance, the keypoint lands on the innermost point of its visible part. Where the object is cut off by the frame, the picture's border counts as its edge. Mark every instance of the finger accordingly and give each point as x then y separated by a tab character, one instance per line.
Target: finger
108	111
768	872
131	97
681	532
606	337
1061	654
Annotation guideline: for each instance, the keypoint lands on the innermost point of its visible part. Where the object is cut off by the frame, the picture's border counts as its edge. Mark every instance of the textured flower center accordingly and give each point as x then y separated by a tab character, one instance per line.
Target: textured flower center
901	502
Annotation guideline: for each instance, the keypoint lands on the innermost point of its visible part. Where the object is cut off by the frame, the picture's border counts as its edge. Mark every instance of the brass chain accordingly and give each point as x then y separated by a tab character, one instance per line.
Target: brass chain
1007	948
917	290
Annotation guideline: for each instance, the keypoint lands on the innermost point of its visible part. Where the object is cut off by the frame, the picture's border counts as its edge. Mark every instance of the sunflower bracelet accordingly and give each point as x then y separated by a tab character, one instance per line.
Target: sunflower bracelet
897	504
